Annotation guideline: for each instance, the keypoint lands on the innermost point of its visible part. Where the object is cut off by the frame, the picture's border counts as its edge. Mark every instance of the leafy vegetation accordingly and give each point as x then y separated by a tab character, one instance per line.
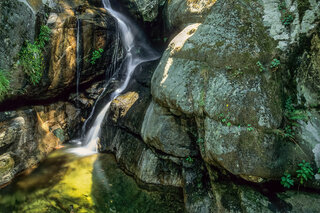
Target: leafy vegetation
292	115
287	181
4	83
31	56
305	172
275	63
249	128
96	54
189	159
260	66
286	16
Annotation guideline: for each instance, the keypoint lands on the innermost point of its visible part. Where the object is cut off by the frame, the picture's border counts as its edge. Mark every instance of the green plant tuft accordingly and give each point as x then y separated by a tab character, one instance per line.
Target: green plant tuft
189	159
275	64
286	16
287	181
4	84
96	54
250	128
260	66
305	172
44	36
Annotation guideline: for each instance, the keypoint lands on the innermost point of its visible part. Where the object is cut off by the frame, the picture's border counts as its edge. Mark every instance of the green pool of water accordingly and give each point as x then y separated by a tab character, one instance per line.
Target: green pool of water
65	182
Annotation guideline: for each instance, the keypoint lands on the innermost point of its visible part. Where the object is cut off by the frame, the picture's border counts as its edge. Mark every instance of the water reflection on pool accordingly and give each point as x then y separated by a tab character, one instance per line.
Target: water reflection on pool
65	182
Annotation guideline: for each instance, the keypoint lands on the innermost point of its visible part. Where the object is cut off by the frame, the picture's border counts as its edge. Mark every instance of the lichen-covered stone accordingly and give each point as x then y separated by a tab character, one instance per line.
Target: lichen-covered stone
6	168
308	74
181	12
165	132
141	161
148	9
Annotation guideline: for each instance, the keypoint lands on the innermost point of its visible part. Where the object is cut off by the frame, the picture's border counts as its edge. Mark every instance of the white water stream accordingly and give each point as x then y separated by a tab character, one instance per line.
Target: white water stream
137	51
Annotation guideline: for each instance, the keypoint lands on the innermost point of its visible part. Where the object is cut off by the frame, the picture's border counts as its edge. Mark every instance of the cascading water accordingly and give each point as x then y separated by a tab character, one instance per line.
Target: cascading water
137	51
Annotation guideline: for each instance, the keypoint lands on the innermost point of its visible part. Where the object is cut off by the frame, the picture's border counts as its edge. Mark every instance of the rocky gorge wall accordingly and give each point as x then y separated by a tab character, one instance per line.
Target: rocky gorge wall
229	114
217	118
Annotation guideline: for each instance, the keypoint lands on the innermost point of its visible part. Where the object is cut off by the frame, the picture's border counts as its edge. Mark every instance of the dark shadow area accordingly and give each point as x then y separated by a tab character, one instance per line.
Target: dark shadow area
114	191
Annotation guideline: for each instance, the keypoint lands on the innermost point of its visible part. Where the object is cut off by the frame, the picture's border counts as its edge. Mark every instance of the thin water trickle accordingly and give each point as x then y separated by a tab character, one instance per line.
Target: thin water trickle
137	51
78	57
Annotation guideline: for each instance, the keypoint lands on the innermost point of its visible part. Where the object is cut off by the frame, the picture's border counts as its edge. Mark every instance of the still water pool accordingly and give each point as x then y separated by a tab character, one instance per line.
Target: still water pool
65	182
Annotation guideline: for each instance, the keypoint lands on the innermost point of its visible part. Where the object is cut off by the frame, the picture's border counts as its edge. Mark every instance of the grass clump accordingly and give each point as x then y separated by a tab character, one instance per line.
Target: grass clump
31	56
4	84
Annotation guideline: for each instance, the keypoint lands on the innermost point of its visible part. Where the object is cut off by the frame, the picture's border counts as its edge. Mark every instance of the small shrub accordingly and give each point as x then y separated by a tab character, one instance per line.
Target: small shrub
287	181
96	55
305	172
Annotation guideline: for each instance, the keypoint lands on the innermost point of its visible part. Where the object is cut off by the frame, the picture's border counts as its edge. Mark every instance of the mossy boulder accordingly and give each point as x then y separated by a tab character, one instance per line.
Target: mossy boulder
210	72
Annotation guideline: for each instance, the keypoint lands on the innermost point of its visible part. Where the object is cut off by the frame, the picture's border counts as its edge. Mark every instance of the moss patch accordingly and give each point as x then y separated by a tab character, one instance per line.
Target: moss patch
303	5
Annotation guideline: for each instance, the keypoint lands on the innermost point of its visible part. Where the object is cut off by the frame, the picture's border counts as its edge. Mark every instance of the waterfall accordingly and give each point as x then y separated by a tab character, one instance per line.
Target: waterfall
137	51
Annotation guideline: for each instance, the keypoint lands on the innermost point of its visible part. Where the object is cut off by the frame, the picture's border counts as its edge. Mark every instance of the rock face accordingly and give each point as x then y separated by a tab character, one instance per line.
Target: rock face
29	130
97	31
27	136
16	24
147	9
